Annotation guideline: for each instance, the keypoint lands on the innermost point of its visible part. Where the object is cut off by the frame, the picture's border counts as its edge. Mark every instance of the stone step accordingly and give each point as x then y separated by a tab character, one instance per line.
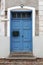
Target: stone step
21	54
22	58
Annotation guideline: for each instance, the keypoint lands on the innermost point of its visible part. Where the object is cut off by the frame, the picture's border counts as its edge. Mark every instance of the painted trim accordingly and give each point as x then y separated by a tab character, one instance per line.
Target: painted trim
33	19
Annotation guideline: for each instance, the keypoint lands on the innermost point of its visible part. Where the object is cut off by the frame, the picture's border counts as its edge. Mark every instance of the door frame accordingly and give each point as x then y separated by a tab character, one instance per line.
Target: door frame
22	9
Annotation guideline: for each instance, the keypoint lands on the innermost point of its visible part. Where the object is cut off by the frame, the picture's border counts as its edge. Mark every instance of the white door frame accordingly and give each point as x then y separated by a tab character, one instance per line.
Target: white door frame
33	19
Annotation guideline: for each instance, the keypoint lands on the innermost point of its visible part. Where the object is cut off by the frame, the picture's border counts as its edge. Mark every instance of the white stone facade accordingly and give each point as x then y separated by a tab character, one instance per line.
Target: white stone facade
38	39
41	17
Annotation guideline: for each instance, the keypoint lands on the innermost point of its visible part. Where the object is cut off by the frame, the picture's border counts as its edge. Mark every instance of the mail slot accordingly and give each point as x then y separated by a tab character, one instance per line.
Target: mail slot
15	33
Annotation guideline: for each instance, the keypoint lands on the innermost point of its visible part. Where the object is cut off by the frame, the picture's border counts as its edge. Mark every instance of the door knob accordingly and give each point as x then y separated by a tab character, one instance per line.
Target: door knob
22	36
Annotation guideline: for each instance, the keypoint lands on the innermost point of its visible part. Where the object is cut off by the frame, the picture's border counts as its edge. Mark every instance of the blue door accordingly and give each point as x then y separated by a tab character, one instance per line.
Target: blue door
21	31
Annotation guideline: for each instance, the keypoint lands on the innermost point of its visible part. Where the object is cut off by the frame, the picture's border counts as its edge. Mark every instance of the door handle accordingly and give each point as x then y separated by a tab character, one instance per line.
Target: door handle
22	36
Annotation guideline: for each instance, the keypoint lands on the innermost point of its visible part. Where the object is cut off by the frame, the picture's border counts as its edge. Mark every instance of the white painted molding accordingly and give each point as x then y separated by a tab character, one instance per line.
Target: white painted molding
4	20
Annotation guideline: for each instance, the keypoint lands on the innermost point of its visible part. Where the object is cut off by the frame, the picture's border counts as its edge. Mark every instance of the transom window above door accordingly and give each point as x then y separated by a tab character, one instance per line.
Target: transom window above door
21	14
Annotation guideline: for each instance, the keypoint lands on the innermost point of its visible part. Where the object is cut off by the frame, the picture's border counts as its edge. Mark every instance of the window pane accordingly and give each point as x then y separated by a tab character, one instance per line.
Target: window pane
18	15
23	15
13	14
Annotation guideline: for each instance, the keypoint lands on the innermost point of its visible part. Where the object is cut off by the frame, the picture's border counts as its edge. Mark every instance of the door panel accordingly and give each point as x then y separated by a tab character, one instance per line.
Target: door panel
27	35
27	24
21	32
16	39
16	24
27	46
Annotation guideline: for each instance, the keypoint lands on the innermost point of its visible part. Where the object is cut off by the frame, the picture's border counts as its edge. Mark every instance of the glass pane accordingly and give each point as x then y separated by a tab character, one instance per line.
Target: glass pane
18	15
28	14
13	14
23	15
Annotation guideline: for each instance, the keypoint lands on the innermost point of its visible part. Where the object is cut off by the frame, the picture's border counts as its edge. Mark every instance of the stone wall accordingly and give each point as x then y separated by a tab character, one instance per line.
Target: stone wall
12	3
41	17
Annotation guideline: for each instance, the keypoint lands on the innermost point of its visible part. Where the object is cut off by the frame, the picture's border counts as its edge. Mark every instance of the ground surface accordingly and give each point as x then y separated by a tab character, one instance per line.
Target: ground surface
21	61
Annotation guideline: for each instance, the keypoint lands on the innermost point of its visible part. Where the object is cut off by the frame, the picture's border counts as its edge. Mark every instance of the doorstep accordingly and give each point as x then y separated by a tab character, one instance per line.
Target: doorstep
21	56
